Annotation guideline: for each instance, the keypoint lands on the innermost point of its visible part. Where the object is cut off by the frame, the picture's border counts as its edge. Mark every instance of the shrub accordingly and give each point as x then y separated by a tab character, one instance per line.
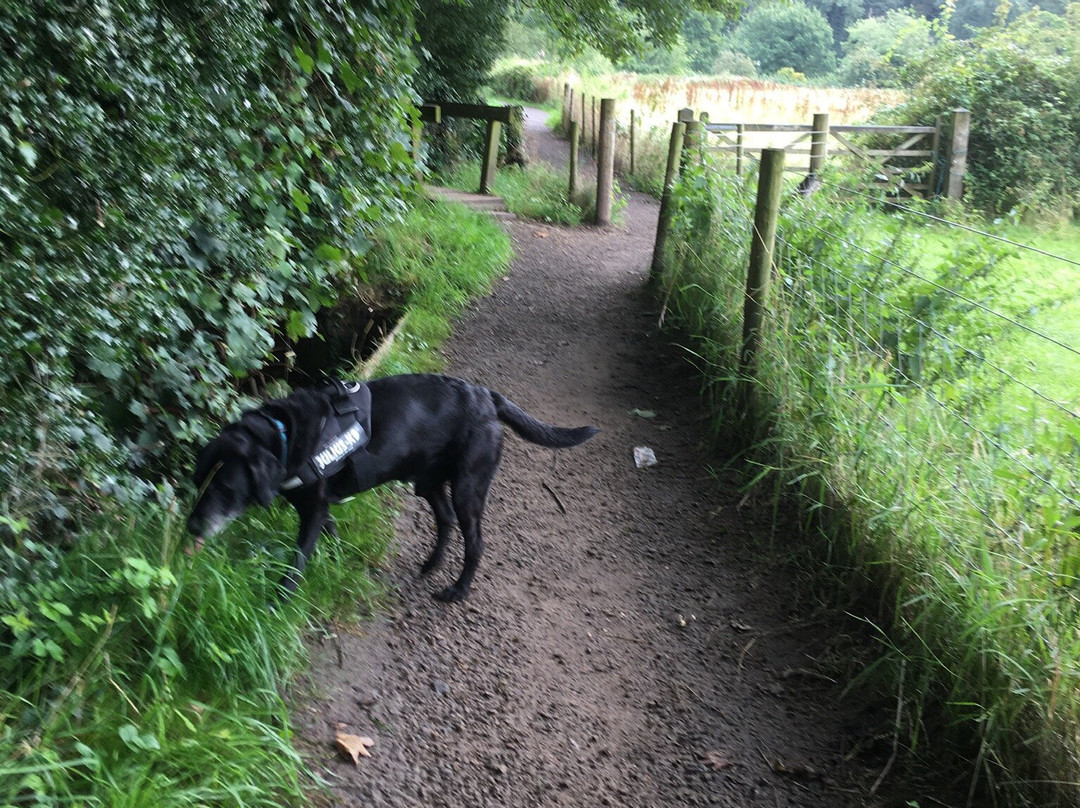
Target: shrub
1022	86
879	49
523	81
733	63
182	186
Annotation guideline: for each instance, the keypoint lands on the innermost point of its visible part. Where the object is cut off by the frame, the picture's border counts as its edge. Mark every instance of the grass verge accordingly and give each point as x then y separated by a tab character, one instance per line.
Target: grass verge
940	483
134	674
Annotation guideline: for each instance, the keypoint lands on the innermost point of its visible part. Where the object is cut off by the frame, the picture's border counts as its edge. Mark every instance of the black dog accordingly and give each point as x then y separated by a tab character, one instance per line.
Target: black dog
425	429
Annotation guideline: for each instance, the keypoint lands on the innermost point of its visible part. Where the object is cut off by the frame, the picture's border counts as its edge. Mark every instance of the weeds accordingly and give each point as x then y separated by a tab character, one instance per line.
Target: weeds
536	192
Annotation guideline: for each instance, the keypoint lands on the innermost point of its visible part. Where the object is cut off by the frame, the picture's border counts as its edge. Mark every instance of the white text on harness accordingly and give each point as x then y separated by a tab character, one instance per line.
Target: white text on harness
343	444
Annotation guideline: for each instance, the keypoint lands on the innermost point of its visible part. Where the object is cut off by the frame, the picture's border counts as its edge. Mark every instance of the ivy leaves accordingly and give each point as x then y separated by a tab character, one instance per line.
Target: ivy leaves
180	186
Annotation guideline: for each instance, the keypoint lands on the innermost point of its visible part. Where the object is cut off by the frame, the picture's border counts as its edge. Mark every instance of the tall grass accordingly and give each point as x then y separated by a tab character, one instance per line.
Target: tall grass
945	489
135	674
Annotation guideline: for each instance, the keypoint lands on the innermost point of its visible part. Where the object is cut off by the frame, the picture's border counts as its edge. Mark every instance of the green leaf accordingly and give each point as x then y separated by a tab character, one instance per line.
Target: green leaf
307	64
28	153
129	734
301	200
328	252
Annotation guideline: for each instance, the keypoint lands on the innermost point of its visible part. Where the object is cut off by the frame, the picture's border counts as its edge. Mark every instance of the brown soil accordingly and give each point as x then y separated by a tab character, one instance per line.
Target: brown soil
634	637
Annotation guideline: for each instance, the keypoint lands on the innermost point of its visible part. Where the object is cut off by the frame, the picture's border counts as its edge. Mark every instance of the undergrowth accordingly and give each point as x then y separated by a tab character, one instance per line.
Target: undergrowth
898	415
135	674
536	192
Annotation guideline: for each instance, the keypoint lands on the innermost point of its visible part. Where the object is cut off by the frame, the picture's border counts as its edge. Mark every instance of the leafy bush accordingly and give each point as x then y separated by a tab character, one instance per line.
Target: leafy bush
523	81
733	63
1022	86
181	188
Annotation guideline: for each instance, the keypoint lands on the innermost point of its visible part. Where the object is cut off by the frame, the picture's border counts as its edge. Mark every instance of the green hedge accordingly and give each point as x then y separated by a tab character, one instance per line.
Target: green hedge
182	185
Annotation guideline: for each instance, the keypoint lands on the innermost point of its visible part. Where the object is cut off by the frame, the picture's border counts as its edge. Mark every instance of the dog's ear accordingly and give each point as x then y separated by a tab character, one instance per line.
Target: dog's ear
266	476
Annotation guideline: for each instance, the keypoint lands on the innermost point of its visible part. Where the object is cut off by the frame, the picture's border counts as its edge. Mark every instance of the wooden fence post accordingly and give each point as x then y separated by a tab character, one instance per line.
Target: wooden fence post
605	162
593	123
633	122
936	161
567	105
694	139
675	148
961	128
575	133
740	133
819	143
583	119
491	157
762	244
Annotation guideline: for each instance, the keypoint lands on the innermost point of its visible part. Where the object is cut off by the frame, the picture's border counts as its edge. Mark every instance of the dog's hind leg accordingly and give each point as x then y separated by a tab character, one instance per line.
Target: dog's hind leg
470	489
437	498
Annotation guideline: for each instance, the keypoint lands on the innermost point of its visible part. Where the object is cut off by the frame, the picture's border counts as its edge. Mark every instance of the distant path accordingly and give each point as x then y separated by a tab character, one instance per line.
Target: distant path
630	640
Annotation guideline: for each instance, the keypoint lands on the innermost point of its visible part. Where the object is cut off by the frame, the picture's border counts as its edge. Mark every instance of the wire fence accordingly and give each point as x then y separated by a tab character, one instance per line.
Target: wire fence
921	377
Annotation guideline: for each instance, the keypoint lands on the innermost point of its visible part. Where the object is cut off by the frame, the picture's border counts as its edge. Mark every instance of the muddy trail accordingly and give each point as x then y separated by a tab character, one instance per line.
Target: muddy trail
634	637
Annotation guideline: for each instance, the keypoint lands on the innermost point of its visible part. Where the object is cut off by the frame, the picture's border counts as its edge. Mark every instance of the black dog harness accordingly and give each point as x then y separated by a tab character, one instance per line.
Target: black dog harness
344	431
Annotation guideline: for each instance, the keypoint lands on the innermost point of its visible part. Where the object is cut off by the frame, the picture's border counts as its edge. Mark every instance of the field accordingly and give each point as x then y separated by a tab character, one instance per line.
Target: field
657	99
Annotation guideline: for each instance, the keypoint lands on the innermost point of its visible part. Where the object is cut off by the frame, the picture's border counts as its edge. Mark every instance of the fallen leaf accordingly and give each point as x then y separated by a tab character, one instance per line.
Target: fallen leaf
643	413
541	234
353	747
741	626
716	760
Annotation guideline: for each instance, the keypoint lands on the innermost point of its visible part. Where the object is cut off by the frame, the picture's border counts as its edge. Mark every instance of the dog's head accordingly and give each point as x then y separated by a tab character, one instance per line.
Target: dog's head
233	471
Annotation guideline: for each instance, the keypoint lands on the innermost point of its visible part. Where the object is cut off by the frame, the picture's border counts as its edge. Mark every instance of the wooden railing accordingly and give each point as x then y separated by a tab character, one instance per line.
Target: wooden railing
435	112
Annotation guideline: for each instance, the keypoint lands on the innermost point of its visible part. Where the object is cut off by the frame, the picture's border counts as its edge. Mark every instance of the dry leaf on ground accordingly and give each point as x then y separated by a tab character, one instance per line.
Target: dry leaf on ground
353	747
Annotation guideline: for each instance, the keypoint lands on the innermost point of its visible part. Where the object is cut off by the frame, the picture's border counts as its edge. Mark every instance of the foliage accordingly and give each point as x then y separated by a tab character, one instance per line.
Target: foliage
704	35
619	28
879	50
777	35
897	413
840	14
532	192
181	187
134	674
456	45
671	60
1022	85
531	81
971	16
733	63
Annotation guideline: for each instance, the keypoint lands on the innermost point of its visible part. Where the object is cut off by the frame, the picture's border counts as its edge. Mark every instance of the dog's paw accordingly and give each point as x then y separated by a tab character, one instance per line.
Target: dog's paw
452	594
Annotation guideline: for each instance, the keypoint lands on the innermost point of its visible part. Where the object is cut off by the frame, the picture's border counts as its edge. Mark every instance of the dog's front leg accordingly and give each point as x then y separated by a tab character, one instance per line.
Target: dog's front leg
313	509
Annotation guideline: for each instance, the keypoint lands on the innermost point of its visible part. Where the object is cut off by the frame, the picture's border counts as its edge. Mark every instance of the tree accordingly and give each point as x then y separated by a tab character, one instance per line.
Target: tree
840	14
879	49
619	28
792	35
703	33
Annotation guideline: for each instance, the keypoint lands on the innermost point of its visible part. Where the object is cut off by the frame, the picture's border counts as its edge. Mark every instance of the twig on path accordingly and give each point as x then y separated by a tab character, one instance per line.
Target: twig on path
743	652
551	491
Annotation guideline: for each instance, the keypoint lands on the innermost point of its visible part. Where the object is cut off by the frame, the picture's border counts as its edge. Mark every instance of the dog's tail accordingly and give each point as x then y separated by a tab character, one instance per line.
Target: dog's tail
527	427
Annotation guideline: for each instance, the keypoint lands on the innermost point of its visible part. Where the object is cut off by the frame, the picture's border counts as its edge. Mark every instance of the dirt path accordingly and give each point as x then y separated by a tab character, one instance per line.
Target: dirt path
630	640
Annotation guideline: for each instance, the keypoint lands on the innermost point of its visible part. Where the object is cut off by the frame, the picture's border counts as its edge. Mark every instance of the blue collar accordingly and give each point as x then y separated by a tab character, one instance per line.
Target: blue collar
282	433
284	441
